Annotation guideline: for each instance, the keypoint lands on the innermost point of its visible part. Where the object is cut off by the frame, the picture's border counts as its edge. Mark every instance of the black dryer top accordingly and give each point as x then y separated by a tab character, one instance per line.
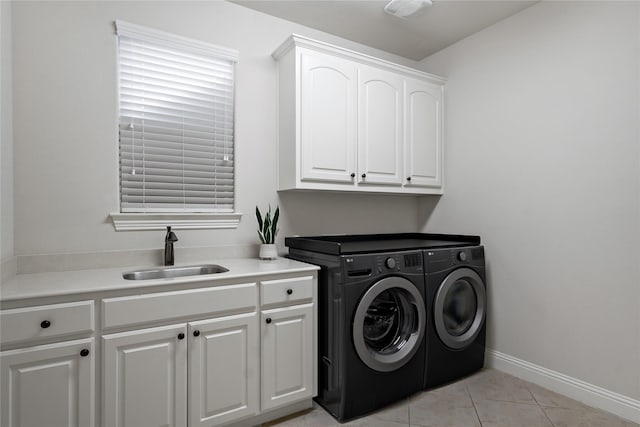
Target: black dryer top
370	243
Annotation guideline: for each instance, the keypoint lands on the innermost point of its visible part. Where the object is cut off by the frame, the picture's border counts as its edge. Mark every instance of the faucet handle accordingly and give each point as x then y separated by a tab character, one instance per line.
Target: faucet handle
171	236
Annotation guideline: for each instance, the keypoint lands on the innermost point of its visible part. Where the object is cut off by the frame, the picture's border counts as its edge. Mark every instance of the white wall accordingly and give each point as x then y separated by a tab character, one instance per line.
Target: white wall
6	135
543	161
65	128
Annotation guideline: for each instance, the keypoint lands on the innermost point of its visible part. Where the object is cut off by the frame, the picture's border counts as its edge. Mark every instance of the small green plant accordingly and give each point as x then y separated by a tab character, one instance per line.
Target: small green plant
268	228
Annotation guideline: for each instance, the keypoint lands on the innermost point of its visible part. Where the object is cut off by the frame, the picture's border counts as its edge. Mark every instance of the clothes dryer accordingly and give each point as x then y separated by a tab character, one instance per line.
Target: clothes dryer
457	306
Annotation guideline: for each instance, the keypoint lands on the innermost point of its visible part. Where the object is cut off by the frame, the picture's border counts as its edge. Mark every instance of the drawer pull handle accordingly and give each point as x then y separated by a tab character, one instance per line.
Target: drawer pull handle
268	320
289	291
45	324
196	333
408	178
180	336
364	175
84	352
353	175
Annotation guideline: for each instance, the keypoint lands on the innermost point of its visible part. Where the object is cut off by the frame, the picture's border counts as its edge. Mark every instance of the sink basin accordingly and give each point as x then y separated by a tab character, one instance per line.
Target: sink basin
168	272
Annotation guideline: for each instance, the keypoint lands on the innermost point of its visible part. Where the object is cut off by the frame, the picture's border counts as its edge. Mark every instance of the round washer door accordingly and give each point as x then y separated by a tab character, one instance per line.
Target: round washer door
389	324
460	308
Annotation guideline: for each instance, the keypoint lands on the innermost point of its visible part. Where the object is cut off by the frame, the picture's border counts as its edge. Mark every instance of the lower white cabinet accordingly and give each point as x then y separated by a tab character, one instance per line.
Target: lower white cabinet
215	371
223	369
145	378
220	357
287	355
49	385
170	357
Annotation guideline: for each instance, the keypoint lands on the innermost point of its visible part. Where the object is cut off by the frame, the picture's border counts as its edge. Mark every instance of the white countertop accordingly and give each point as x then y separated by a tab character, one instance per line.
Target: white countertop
39	285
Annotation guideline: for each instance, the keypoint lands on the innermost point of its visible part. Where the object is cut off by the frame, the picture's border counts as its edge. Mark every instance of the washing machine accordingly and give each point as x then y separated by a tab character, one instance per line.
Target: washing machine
371	328
457	305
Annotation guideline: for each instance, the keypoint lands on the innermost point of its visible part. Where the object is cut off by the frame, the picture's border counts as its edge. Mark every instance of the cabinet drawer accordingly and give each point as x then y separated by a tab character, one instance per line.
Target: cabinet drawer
46	321
287	290
134	310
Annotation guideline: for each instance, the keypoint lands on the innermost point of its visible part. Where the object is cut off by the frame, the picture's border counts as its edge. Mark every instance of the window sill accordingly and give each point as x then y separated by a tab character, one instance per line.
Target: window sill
178	221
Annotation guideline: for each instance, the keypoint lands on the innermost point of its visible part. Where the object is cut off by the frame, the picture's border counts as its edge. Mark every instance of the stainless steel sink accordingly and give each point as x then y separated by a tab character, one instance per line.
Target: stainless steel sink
168	272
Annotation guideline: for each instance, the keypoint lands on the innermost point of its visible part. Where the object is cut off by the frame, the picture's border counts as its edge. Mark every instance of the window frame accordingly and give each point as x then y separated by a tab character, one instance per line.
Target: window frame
159	220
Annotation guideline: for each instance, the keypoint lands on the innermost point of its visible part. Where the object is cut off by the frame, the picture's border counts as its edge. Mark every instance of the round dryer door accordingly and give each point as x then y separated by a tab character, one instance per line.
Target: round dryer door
460	308
389	324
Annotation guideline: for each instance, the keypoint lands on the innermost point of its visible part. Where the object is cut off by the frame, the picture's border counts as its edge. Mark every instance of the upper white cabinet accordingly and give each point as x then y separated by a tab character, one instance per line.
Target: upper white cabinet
423	134
351	122
379	127
330	86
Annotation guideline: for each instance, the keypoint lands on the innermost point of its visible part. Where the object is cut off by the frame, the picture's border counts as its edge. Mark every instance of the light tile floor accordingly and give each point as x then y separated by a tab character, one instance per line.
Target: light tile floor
489	398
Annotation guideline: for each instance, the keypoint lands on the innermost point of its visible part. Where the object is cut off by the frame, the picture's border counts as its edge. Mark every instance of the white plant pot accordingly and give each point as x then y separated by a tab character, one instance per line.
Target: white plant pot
268	251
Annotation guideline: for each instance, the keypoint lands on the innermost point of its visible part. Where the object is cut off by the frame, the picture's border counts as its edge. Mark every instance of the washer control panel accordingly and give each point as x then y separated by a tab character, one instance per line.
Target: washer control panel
458	256
387	263
399	261
437	259
362	265
390	263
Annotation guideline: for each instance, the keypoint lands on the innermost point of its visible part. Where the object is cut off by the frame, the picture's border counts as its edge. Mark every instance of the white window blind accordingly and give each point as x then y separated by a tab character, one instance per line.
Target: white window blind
176	123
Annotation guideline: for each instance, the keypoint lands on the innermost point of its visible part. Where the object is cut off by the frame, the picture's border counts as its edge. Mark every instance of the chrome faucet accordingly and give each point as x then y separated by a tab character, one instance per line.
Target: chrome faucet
169	239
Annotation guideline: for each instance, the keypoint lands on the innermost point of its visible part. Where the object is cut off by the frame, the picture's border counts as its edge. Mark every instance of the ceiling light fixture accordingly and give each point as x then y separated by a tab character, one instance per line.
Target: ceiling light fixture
406	8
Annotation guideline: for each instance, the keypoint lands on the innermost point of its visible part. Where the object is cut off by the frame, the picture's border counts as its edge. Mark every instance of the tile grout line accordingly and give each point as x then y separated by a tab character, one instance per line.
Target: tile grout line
475	409
541	407
507	401
547	415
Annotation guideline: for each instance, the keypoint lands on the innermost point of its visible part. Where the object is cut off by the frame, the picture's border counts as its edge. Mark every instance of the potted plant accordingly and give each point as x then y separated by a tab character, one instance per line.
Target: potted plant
267	230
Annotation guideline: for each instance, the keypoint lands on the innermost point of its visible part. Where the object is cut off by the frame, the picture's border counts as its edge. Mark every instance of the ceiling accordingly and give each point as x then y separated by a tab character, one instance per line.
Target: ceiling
416	37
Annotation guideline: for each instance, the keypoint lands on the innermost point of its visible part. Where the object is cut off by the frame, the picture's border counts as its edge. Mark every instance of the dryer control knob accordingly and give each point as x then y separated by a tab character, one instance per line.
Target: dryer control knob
462	256
390	263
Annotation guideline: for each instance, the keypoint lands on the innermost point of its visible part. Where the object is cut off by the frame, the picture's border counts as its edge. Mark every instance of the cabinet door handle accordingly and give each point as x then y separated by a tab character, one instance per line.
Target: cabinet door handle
353	175
45	324
364	175
84	352
268	320
196	333
408	178
289	291
180	336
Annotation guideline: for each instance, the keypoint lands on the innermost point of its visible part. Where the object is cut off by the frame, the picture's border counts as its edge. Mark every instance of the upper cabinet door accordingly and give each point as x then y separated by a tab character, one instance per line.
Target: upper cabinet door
423	134
379	127
328	118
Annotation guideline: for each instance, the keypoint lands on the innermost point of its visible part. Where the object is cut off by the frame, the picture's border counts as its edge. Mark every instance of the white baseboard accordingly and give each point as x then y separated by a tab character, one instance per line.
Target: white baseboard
582	391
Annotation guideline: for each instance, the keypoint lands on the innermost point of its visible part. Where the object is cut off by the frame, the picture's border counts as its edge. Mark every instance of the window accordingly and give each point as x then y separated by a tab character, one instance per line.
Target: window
176	130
